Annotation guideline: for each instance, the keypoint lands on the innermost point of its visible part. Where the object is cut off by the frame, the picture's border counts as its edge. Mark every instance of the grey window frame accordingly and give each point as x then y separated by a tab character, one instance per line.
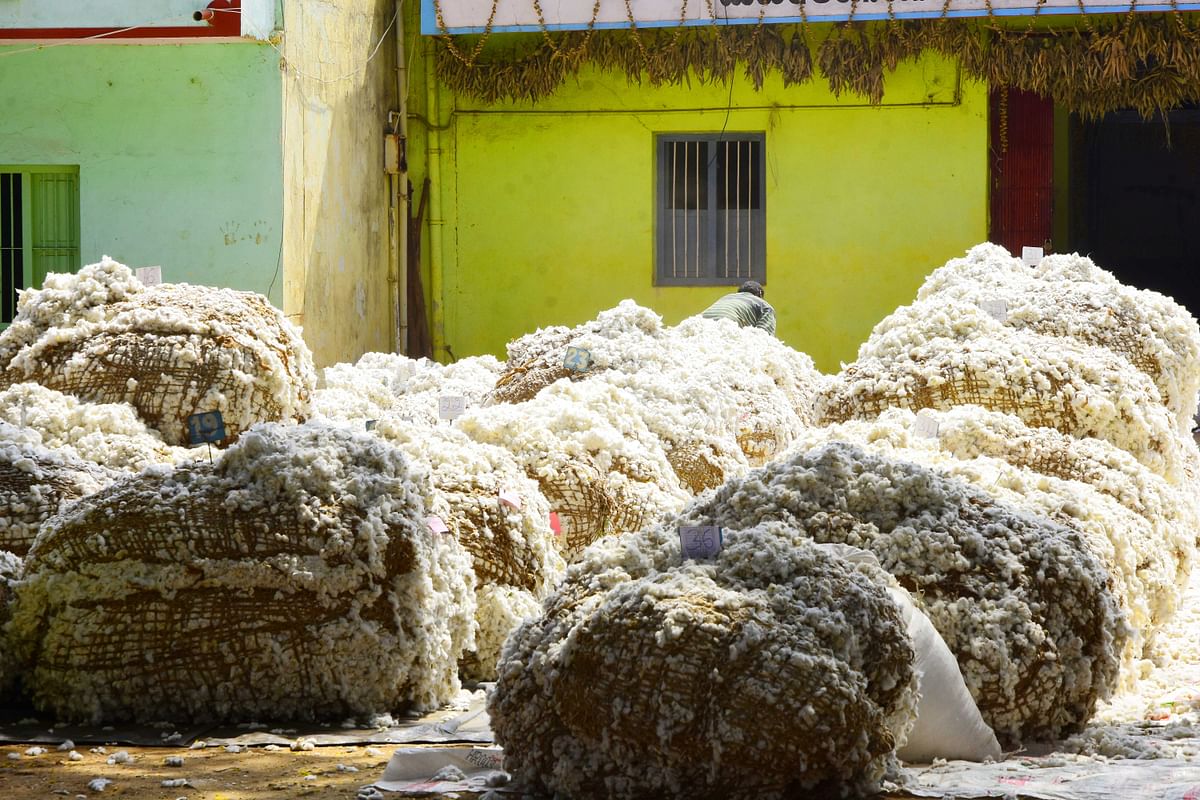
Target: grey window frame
711	235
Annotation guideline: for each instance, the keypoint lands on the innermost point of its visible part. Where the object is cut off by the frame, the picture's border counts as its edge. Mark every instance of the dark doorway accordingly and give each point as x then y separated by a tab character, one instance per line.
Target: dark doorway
1135	200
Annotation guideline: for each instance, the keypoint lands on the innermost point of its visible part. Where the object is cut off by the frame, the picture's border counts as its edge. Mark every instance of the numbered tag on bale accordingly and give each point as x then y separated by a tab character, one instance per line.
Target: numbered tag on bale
149	276
371	423
510	498
437	525
925	425
451	407
996	309
1032	256
577	359
701	542
207	427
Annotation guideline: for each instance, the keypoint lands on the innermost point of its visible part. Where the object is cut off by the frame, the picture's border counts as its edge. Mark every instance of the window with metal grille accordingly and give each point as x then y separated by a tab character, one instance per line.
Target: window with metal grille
711	219
39	229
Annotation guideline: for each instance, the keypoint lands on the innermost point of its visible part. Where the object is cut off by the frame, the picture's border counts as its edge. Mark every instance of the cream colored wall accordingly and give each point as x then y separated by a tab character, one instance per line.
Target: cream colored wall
335	105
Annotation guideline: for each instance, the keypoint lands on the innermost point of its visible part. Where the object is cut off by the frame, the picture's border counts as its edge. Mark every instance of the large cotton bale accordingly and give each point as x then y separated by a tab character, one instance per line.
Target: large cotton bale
1145	569
295	577
1069	296
35	484
1021	601
601	469
169	350
500	517
107	434
11	567
775	669
1047	381
723	381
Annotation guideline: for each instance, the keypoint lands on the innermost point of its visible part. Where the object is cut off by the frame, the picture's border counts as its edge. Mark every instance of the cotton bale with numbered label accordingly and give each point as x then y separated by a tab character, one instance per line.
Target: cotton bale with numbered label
293	577
169	350
774	668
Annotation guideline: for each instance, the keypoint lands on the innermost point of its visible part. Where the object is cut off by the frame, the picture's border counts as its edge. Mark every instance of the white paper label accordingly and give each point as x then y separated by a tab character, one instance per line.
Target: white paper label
1032	256
699	542
925	425
997	309
149	276
577	359
451	406
437	525
510	498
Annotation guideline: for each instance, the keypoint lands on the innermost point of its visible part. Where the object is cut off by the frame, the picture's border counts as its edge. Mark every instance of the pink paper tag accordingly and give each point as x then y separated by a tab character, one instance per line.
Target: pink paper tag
555	524
436	525
509	497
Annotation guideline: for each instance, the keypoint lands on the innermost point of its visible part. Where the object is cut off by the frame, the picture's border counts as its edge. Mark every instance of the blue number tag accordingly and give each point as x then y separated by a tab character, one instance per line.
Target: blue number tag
577	360
700	542
206	427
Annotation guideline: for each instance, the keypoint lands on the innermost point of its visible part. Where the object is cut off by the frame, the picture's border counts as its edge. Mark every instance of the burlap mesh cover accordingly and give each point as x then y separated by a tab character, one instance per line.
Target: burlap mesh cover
34	485
589	503
1078	399
174	350
534	362
211	593
1027	609
695	466
630	678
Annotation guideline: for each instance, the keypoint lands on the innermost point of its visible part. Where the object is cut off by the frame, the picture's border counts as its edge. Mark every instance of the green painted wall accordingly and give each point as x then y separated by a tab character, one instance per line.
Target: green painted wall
178	148
549	208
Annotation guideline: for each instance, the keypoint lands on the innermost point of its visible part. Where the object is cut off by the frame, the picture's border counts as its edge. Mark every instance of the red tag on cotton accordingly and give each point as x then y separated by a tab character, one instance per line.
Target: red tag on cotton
437	525
555	524
511	498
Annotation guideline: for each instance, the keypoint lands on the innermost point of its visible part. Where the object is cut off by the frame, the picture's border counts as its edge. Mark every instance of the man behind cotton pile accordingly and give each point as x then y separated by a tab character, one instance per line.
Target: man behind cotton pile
746	307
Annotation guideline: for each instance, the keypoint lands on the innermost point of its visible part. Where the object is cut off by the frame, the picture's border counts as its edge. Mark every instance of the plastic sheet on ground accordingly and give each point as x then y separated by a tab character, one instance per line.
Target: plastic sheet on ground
1051	778
437	770
445	726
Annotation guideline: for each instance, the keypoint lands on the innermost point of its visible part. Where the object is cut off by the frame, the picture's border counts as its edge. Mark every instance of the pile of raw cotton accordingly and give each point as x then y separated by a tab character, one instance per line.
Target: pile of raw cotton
1143	560
1022	602
1068	296
775	668
36	483
295	577
702	381
169	351
597	464
379	383
499	515
107	434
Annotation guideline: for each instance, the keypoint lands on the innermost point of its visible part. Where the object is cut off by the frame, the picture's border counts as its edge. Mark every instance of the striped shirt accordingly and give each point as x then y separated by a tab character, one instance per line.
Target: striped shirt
746	309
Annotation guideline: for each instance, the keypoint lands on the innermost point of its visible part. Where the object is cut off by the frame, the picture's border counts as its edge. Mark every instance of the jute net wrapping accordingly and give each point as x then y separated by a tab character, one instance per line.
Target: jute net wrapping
1021	601
35	483
1069	296
773	669
594	459
719	398
294	578
500	517
107	434
1147	569
170	351
11	568
1046	381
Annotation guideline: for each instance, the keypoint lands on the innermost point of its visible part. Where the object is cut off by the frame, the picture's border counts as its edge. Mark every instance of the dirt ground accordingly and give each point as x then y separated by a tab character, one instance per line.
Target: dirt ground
213	773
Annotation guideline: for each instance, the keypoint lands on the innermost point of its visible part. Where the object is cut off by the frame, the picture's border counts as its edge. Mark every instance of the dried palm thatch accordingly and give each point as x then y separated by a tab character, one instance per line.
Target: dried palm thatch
825	685
1023	604
295	577
1092	65
170	351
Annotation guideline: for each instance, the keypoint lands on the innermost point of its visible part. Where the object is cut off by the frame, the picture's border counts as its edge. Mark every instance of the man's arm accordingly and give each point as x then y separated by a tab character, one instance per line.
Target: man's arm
767	320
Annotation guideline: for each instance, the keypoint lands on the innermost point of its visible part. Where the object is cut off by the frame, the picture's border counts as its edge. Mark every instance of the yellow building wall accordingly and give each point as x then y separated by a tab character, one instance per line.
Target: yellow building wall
545	213
337	265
